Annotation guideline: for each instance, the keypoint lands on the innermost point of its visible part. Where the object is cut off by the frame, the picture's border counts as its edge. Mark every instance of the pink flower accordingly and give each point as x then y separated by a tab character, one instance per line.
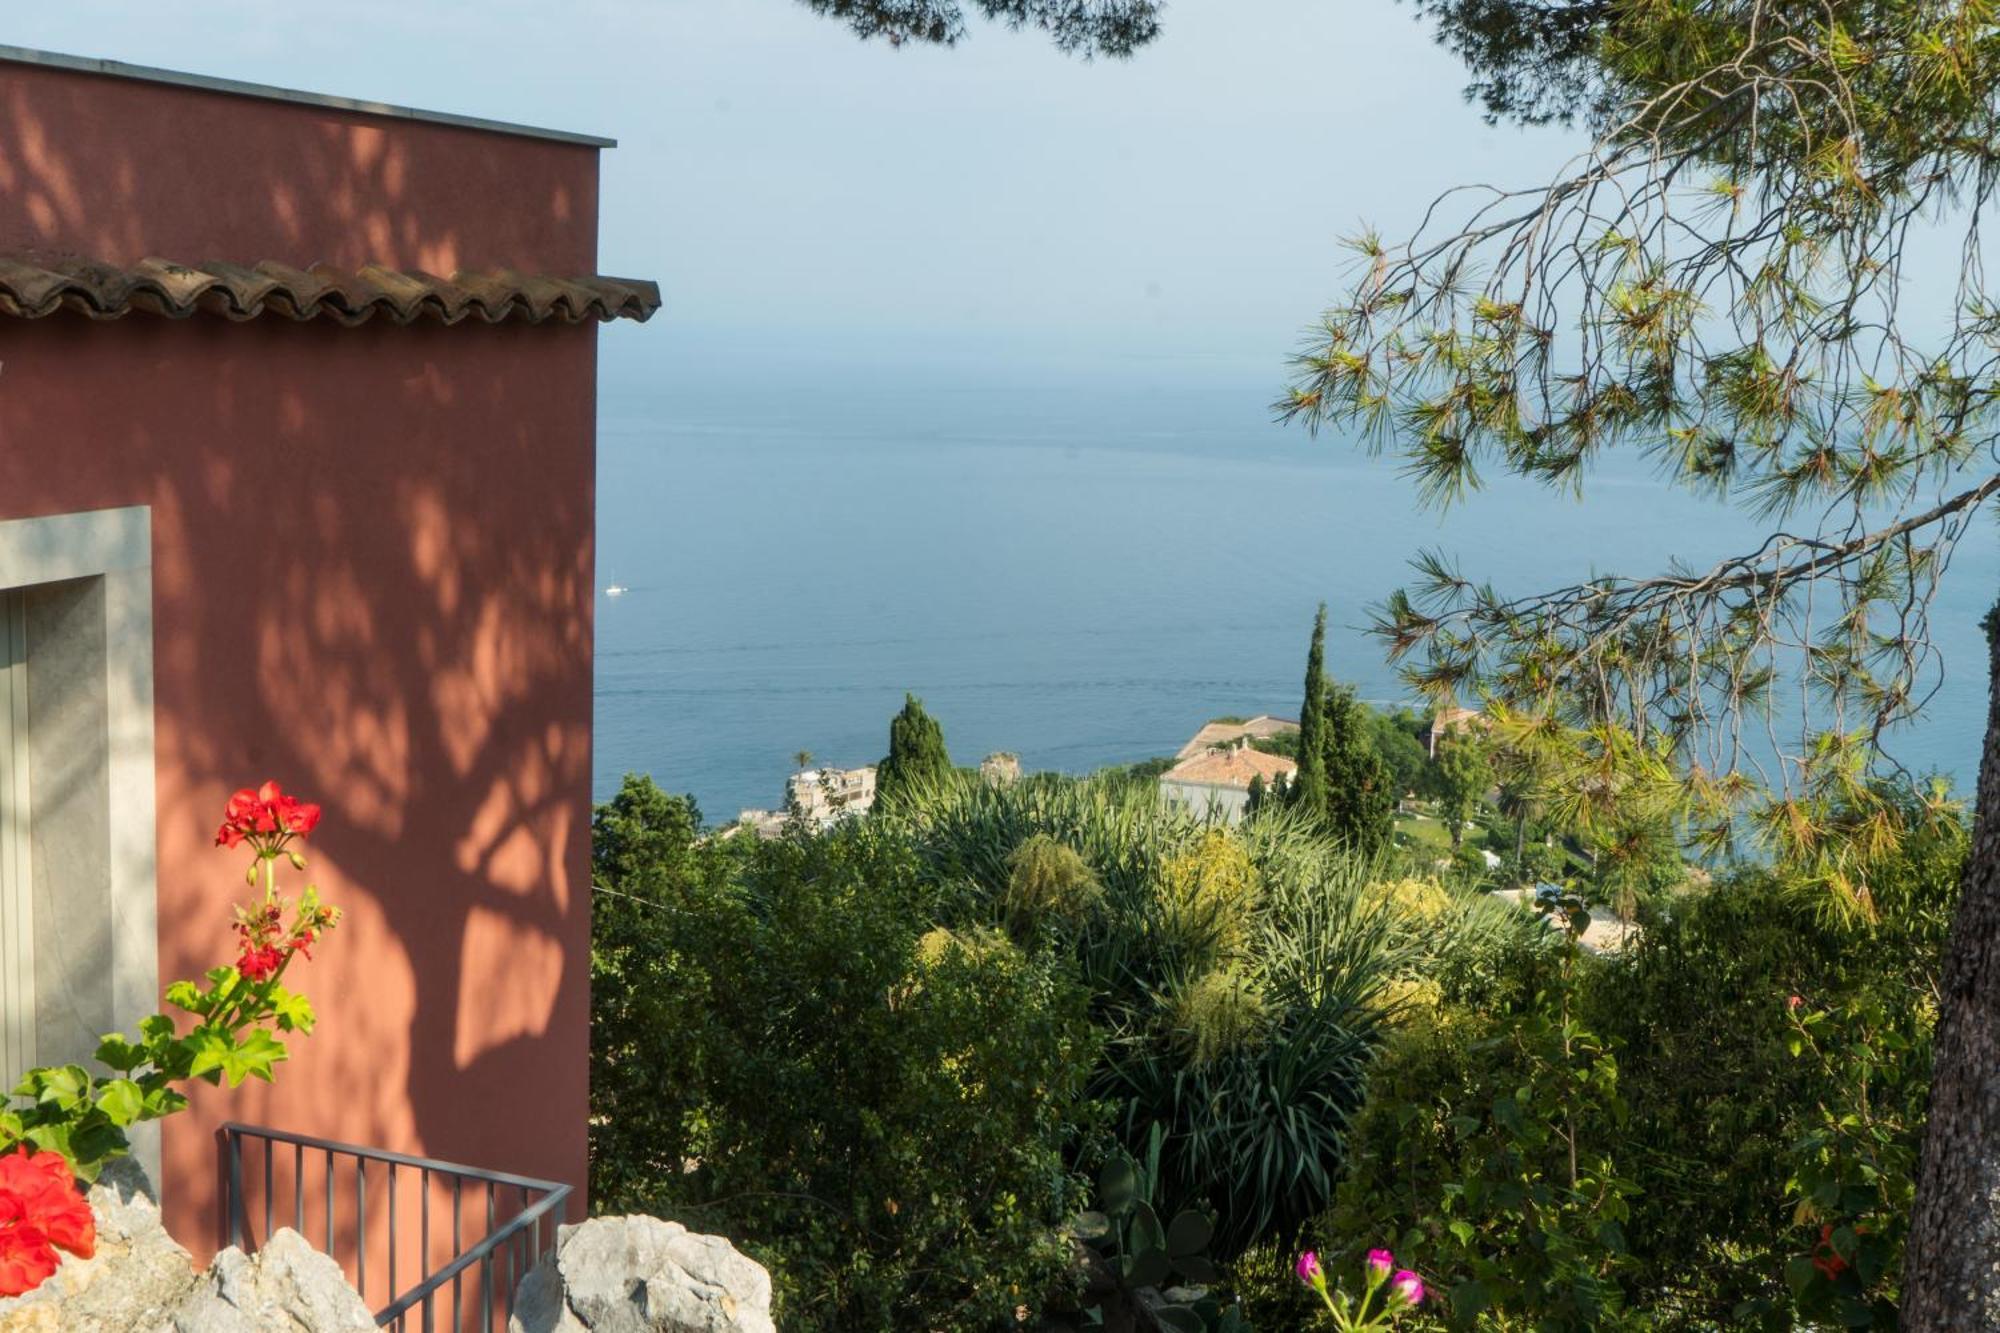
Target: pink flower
1309	1270
1794	1002
1408	1286
1378	1264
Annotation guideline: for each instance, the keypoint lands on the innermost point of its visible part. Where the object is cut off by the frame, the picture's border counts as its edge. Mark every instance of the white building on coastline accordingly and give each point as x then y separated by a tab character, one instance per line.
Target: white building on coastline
820	797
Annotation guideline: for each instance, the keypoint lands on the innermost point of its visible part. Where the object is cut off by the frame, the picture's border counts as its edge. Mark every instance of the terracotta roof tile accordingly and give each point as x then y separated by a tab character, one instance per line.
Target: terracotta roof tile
1223	733
1231	768
31	287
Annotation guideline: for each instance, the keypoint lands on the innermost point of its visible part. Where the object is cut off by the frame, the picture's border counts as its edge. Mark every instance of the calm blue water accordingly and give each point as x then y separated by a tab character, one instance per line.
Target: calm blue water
1079	568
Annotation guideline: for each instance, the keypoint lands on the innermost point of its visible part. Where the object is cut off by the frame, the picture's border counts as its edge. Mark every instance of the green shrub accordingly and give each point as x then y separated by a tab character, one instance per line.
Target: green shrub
1749	1160
875	1107
1696	1010
1852	1161
1487	1159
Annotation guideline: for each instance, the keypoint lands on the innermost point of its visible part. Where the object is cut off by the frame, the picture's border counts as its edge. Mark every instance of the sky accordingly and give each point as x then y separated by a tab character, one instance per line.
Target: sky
798	191
1025	237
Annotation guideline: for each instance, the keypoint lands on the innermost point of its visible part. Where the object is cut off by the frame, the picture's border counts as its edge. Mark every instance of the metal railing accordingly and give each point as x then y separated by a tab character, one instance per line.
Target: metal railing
505	1245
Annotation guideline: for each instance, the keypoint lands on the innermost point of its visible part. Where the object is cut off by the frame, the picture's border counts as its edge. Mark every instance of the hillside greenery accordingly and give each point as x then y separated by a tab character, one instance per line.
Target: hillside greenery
895	1060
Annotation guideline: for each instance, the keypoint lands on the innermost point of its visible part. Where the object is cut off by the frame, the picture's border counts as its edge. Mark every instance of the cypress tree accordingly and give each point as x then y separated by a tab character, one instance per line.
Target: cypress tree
917	761
1309	789
1255	800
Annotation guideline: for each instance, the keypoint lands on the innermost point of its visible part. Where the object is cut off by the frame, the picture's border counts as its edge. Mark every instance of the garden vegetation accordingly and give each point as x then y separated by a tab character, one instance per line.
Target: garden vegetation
959	1064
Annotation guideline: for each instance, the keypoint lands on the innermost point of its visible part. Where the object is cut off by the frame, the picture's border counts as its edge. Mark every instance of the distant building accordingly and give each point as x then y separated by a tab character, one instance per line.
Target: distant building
822	796
1217	735
1000	769
1215	784
766	824
1448	721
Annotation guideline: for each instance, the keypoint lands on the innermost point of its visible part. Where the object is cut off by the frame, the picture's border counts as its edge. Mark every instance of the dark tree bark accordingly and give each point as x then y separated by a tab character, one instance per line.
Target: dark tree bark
1951	1277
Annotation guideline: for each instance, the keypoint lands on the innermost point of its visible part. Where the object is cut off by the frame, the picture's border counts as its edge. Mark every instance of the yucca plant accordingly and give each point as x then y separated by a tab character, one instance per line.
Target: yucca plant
1256	1133
1240	977
974	838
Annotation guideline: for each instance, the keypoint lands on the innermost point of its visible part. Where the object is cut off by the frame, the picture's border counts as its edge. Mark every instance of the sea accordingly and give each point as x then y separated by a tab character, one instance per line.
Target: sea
1076	563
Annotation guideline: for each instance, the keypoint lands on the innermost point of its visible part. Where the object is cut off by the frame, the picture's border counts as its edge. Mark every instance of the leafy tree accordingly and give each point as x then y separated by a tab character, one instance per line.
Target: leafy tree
640	833
786	1050
1723	281
1360	791
917	761
802	760
646	856
1078	27
1395	739
1463	775
1309	786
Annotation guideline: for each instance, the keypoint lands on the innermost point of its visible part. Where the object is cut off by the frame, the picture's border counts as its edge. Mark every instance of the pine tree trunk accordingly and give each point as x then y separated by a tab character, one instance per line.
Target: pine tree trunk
1951	1278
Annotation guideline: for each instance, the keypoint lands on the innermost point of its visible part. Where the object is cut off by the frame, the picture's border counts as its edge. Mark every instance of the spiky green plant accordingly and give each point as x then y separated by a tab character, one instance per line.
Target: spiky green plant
1049	881
1252	1129
1218	1013
1208	899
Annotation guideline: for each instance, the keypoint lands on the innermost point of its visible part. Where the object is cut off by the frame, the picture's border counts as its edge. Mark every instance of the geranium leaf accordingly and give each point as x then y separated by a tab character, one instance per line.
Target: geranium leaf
121	1100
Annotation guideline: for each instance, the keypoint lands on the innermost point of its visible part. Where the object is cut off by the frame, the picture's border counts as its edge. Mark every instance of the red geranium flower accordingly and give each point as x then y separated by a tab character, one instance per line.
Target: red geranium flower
265	817
40	1211
259	964
26	1258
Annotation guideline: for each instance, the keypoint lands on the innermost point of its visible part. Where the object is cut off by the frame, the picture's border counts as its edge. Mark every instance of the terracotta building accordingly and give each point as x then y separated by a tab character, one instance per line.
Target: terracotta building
297	452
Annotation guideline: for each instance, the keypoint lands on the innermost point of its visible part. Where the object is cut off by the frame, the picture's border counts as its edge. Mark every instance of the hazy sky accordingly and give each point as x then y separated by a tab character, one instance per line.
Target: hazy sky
855	241
783	180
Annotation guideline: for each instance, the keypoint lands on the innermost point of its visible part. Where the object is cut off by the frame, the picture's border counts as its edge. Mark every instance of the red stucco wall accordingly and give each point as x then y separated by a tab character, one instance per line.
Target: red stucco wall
373	581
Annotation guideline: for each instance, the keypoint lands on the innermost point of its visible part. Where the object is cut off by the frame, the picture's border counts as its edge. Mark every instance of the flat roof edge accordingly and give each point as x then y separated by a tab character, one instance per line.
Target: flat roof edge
22	55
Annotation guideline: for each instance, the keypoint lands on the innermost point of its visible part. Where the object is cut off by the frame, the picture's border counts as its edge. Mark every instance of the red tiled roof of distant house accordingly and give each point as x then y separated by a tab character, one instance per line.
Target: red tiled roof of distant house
1231	768
1213	734
1448	720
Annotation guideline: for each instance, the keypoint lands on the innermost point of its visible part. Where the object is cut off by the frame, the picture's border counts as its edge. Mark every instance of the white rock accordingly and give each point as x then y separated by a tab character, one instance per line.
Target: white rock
132	1282
643	1275
286	1287
140	1281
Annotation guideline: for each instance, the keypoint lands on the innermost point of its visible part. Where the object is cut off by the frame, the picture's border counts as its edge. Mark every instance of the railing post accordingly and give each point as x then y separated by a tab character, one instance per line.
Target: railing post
236	1222
394	1238
361	1227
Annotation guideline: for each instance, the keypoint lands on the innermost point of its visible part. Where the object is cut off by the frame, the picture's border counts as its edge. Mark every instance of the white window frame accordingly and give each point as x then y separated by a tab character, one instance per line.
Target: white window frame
116	546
